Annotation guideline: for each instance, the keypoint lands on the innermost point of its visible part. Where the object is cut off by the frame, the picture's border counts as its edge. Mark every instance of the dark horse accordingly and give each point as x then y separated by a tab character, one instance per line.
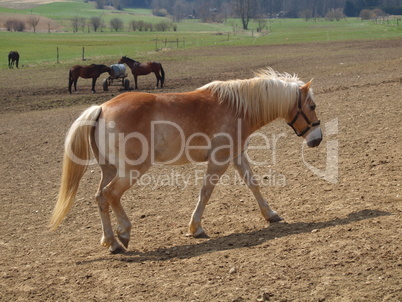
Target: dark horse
138	68
91	71
13	56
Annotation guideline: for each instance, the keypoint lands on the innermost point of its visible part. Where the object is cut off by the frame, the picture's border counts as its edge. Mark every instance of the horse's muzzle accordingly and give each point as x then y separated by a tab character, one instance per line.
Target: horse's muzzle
314	138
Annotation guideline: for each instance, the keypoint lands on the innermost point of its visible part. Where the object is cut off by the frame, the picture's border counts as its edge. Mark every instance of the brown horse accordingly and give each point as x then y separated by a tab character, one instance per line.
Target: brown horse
138	68
13	56
212	124
91	71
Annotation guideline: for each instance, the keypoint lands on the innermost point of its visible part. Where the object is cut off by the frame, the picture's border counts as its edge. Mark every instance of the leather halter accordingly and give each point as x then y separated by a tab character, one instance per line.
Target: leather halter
300	112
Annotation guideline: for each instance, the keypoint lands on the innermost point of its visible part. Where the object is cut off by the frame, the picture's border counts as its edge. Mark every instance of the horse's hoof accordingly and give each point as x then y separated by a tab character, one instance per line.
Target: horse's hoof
275	218
115	247
118	250
124	241
200	233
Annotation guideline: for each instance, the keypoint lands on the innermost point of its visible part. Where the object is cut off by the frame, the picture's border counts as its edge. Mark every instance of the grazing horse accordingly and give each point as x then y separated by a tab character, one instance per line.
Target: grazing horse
91	71
138	68
13	56
212	124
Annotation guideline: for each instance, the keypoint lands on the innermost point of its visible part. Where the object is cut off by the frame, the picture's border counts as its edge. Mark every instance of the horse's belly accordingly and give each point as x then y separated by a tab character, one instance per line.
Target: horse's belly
179	153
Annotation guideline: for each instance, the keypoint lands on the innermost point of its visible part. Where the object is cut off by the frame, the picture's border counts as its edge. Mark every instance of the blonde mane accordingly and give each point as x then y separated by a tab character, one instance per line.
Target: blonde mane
265	97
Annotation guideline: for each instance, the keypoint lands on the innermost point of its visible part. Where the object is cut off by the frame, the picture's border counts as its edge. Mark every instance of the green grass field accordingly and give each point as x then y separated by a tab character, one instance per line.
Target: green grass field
40	47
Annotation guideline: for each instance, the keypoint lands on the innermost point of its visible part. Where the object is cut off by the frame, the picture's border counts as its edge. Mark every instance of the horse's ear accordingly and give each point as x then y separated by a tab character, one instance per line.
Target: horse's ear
306	86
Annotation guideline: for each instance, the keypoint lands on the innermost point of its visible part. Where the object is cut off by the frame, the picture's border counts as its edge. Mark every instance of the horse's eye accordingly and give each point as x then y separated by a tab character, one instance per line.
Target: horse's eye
312	107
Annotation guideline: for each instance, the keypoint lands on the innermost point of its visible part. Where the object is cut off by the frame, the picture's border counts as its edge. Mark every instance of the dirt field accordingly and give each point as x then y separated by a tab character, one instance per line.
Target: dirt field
341	241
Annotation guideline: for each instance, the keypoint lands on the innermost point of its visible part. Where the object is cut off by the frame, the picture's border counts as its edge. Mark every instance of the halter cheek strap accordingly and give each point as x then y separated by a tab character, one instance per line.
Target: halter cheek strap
300	112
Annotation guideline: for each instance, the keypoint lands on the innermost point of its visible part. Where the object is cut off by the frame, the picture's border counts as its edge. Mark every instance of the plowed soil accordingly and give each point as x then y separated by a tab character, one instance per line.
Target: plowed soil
341	239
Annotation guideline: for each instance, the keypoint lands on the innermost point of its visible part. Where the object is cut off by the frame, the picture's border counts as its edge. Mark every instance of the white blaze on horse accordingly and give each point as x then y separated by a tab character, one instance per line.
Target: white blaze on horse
211	124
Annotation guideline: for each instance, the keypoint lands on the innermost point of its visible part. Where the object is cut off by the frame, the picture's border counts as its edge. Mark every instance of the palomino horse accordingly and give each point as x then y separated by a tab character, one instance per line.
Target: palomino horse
13	56
138	68
134	130
87	72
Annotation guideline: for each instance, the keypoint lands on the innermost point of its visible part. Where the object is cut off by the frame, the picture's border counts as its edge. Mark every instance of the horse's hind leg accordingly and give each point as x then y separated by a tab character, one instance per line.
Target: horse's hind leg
158	77
242	166
108	239
112	193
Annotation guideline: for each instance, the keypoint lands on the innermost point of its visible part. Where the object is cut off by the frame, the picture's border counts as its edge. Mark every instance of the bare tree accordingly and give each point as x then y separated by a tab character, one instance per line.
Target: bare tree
261	24
74	23
33	21
81	23
334	14
96	23
306	14
116	24
245	9
49	24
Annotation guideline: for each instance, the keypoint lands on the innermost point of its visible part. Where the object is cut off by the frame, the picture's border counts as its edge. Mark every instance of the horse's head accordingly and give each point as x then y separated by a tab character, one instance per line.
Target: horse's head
303	119
111	72
122	60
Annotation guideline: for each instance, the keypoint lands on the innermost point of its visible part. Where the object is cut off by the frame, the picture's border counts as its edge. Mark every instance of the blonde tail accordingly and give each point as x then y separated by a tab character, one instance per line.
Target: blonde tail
75	161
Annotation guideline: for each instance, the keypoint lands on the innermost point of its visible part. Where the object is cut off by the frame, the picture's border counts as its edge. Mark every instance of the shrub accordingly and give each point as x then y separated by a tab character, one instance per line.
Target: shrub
160	12
366	14
334	14
14	25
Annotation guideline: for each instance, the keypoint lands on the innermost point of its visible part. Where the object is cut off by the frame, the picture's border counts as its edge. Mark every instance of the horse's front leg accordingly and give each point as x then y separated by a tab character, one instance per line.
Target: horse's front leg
93	84
243	167
211	178
135	82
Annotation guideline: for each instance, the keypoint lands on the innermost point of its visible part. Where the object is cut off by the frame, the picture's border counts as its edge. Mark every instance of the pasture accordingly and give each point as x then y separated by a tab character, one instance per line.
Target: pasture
340	240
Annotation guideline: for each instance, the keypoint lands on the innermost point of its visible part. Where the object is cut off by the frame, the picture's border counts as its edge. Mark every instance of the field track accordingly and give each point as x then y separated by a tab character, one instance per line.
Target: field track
340	242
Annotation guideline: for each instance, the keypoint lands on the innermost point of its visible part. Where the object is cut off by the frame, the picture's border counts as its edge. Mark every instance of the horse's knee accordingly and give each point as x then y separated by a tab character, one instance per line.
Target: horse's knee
103	205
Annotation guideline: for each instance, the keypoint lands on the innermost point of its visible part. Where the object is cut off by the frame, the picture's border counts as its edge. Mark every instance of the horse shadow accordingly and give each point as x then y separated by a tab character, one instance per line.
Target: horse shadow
241	240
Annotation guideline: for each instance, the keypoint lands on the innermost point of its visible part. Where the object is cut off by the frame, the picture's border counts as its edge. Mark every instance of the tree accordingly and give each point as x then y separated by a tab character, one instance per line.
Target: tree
366	14
261	23
49	24
244	9
306	14
96	23
33	21
100	4
74	23
81	23
116	24
335	14
15	25
349	9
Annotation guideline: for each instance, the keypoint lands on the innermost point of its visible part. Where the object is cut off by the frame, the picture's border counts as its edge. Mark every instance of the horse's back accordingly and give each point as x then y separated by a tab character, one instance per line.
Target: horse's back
193	111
